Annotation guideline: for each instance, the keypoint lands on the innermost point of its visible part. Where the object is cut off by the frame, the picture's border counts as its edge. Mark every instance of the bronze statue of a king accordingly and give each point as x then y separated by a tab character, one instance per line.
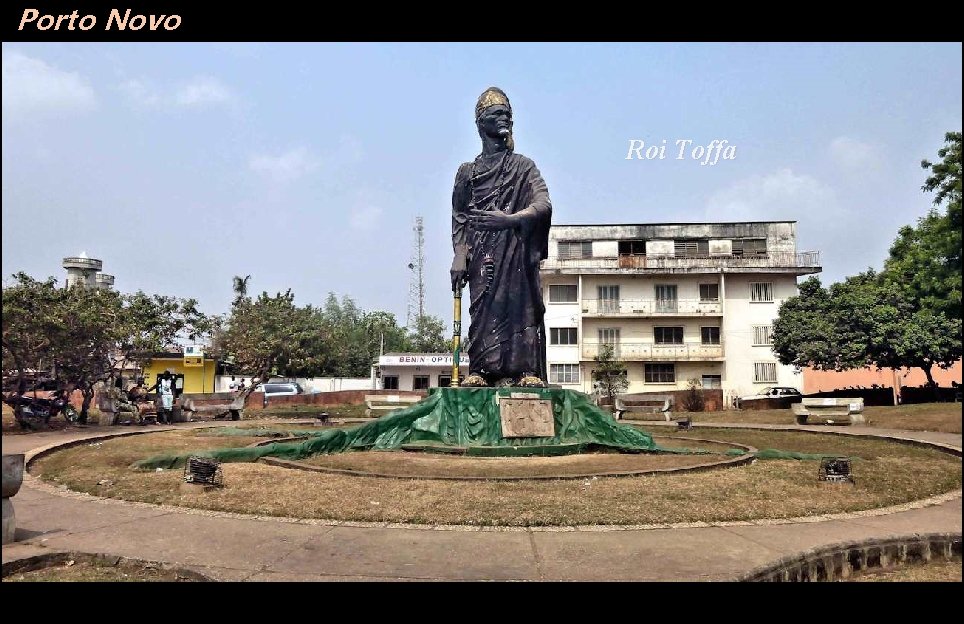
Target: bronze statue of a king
500	231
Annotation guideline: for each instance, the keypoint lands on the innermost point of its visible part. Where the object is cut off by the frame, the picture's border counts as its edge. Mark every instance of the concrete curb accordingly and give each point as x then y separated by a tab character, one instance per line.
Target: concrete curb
840	561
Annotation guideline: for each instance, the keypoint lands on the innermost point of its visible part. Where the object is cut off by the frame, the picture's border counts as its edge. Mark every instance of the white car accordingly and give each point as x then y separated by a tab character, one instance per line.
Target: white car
279	388
775	392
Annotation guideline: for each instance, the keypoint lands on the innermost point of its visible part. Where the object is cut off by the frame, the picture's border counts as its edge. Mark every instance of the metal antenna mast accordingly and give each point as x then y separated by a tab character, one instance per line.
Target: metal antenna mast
416	291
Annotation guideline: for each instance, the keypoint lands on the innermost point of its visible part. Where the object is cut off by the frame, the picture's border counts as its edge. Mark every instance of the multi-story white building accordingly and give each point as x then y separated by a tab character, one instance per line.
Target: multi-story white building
678	301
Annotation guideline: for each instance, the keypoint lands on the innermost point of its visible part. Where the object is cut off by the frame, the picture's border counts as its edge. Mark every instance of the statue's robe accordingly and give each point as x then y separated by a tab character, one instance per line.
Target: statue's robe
507	336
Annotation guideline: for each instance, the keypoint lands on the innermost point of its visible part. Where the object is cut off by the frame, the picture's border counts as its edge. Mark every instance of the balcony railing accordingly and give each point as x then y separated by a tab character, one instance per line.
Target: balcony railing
776	259
77	262
656	352
652	307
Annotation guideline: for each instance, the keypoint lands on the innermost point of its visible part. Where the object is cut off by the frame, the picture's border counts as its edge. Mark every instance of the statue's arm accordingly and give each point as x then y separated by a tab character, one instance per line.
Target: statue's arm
460	226
538	212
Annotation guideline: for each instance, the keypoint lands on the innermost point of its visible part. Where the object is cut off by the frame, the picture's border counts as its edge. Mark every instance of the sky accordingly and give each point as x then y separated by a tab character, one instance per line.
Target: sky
304	165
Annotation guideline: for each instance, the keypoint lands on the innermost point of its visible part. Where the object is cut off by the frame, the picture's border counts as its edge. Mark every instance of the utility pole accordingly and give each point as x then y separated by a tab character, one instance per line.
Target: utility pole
416	291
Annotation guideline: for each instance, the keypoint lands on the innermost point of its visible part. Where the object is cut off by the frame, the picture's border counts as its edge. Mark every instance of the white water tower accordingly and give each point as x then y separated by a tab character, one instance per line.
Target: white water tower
82	271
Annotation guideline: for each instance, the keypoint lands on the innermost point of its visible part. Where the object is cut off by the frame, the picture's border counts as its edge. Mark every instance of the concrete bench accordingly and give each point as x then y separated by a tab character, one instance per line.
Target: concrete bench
654	404
232	409
830	411
388	402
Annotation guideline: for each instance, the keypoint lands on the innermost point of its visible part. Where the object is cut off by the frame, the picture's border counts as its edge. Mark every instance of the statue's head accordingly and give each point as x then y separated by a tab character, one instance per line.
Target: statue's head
493	116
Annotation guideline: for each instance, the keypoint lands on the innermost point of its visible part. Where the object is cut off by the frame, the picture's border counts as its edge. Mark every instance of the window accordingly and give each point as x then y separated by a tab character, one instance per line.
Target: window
709	292
569	250
749	247
711	381
632	248
608	298
666	298
761	335
564	373
668	335
660	373
761	292
444	381
610	336
562	335
562	293
390	382
420	382
764	372
691	248
710	335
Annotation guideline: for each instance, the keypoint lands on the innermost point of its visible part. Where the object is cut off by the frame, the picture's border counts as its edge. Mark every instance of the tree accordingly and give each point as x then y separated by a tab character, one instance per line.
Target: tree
863	321
29	313
81	334
429	335
925	261
693	399
271	335
808	333
240	286
610	373
149	323
86	332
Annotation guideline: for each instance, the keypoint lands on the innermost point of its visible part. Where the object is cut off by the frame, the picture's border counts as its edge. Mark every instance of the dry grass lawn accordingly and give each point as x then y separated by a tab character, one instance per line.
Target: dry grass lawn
430	464
944	417
888	474
88	571
938	572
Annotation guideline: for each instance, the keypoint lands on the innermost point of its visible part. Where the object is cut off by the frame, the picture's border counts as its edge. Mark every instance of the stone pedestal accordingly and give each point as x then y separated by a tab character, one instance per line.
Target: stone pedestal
12	479
9	521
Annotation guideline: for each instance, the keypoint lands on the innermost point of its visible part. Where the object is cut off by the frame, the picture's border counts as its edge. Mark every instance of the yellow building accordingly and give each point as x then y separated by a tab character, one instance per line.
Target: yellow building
196	373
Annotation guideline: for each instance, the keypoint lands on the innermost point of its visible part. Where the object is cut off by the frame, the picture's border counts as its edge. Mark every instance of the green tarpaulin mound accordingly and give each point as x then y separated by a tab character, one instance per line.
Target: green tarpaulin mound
464	417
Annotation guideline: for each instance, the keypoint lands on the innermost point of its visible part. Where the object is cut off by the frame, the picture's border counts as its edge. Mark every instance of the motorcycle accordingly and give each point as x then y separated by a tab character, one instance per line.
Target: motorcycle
31	412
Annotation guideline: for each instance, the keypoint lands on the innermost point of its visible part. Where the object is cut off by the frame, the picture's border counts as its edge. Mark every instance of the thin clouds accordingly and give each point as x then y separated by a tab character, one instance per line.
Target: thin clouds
852	155
31	87
199	92
780	195
365	218
285	167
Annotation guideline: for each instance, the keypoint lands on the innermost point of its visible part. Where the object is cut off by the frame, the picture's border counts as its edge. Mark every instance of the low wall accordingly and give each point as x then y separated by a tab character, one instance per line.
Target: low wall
341	397
840	561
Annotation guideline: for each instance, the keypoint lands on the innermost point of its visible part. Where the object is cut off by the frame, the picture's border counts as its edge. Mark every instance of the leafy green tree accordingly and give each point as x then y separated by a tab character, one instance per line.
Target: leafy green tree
270	335
610	373
28	321
863	321
429	335
149	323
925	261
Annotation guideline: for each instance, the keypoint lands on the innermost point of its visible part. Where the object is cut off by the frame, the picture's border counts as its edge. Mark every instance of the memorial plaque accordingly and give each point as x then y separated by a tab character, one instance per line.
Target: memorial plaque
527	418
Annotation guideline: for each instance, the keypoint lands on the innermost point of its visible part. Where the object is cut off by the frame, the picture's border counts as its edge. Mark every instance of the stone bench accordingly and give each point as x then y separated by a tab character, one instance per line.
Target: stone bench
388	402
830	411
654	404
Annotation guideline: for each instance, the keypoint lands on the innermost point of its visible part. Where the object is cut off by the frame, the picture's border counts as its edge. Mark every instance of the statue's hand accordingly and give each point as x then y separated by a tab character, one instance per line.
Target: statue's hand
458	280
460	271
491	220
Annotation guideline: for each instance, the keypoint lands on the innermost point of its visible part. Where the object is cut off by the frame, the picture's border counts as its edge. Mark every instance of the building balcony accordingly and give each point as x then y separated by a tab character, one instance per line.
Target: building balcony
648	351
651	307
104	280
79	262
779	261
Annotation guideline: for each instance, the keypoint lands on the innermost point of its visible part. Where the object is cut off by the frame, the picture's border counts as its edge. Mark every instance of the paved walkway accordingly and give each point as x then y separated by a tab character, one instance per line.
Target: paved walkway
236	547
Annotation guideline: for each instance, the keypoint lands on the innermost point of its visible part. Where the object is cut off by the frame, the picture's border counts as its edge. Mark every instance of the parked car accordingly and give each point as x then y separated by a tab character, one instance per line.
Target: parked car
280	388
774	392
